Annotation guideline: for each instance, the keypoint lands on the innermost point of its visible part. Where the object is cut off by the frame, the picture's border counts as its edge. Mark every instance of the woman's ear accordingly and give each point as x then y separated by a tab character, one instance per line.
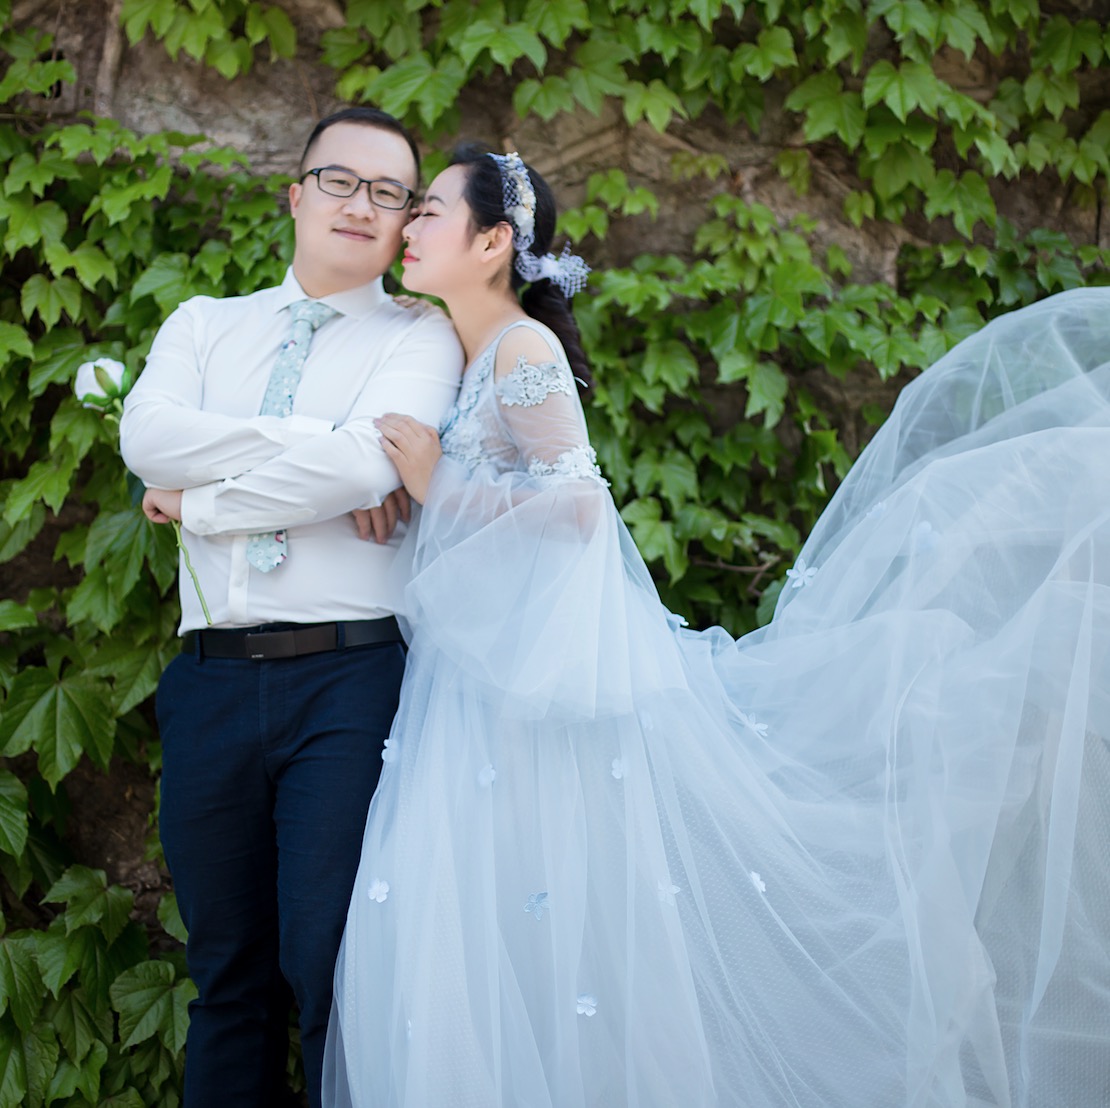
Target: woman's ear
499	239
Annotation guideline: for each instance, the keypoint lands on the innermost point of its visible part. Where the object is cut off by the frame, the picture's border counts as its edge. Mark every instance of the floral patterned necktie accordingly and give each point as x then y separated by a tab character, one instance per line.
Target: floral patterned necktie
266	551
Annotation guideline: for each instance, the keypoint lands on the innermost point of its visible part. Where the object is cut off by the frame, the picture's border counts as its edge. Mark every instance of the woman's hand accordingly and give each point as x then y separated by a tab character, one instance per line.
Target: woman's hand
413	447
162	505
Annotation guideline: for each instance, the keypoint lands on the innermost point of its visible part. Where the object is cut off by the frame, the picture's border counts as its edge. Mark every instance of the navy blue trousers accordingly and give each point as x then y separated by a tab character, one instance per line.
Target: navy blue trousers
267	773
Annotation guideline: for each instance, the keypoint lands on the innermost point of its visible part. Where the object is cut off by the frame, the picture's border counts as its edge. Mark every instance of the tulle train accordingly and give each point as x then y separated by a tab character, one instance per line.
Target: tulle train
856	858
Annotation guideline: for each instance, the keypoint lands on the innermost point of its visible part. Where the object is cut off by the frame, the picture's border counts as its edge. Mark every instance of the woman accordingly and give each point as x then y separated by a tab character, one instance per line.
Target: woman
854	859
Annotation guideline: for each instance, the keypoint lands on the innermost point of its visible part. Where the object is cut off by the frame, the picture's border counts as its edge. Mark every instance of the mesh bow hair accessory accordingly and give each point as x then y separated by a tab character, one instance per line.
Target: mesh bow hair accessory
567	271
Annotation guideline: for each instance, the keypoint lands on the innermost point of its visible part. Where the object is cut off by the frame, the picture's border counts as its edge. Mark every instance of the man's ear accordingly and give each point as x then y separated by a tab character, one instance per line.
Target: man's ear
296	189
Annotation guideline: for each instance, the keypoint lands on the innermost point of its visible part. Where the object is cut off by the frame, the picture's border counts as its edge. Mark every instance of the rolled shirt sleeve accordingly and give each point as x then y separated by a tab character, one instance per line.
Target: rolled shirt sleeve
327	475
170	441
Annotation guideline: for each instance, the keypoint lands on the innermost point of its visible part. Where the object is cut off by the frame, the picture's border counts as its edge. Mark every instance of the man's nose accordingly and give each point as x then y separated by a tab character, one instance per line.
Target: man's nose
359	201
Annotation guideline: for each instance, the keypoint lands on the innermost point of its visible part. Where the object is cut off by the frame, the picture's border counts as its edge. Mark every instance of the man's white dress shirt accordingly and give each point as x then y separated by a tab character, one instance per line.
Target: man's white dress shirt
191	422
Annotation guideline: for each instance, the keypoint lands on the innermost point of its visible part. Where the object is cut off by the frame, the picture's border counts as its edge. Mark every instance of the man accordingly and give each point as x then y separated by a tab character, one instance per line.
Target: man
273	720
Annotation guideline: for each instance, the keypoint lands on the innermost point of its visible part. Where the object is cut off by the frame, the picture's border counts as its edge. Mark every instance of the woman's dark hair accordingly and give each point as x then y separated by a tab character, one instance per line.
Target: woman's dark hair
368	117
542	300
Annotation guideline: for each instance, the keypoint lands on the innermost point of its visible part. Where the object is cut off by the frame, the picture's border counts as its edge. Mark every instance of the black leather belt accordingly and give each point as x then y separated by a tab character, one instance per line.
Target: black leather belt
289	640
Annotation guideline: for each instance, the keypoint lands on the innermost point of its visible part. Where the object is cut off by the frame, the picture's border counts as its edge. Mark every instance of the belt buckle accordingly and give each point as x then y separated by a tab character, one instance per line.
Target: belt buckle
261	645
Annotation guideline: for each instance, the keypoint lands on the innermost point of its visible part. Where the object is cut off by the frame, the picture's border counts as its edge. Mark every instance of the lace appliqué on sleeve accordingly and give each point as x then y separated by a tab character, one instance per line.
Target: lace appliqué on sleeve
574	464
528	384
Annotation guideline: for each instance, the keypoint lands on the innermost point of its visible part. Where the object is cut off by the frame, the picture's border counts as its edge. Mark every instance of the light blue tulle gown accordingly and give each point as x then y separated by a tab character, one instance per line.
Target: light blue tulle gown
857	858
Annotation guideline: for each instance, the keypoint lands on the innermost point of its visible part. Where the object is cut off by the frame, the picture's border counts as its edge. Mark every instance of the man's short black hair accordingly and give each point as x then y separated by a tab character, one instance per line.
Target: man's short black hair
369	117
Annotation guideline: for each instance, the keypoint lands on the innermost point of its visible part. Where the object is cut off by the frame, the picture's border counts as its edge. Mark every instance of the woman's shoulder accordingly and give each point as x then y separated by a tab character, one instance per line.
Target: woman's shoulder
527	342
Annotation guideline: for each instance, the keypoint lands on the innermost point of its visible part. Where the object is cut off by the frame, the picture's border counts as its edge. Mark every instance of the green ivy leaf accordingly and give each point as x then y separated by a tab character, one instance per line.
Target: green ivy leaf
13	816
556	22
516	40
653	100
912	85
127	1098
36	173
281	32
964	25
966	198
670	472
70	1078
166	279
767	389
60	717
416	82
47	480
170	917
829	110
14	340
343	46
21	987
1063	43
846	36
1055	92
14	617
599	71
30	223
150	1003
133	670
39	1046
49	298
57	955
900	167
35	77
907	18
671	363
138	15
655	536
772	50
122	541
13	1067
90	900
77	1027
96	600
546	98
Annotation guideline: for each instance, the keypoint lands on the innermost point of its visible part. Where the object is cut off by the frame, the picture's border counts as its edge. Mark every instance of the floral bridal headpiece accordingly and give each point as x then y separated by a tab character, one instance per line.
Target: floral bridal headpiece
568	271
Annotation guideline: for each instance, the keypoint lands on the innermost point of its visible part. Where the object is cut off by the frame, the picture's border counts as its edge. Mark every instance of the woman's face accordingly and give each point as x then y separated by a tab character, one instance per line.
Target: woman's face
440	248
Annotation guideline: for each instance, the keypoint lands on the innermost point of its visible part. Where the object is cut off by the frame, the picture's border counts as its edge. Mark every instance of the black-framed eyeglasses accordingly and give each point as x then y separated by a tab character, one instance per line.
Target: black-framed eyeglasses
337	181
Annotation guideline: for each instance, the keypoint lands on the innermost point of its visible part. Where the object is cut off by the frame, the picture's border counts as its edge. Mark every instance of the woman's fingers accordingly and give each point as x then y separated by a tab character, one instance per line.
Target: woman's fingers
404	435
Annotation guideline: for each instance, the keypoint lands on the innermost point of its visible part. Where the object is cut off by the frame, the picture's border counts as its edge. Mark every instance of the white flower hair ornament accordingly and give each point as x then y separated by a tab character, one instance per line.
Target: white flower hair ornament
567	271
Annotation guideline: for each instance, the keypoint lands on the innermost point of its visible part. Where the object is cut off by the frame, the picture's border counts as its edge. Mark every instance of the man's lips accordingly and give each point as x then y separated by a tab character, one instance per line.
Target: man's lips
354	233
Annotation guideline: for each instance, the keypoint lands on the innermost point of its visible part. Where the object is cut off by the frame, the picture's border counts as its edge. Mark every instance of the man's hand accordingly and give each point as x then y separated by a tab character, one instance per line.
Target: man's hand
413	447
380	523
162	505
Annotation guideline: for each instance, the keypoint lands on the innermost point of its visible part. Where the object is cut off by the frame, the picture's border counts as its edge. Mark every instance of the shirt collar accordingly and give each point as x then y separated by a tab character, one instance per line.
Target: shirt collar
358	301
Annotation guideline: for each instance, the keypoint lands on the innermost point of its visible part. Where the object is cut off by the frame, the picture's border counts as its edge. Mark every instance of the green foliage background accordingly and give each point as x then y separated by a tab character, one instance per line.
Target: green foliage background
103	231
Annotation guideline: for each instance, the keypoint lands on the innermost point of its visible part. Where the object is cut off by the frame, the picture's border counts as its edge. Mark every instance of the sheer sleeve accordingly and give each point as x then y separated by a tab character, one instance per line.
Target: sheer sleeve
538	404
527	579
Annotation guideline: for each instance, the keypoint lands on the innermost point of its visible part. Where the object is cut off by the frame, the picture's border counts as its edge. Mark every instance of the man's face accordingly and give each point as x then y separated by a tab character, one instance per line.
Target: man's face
343	242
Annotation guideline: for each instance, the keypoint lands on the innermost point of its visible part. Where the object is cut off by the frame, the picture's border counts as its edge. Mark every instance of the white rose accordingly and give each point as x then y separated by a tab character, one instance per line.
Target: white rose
100	380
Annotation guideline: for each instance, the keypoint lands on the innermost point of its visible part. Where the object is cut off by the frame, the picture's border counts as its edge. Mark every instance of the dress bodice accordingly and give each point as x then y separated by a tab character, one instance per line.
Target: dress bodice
527	420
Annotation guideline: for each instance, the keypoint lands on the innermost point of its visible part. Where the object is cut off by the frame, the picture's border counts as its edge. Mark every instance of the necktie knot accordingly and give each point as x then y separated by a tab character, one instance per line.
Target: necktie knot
312	312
